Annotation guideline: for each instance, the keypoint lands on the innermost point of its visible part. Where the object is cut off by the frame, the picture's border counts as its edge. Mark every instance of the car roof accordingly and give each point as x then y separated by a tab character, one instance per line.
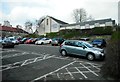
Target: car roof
76	40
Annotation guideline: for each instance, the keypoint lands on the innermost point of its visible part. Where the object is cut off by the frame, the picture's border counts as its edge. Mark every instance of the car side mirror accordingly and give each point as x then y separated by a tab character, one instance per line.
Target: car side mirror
83	47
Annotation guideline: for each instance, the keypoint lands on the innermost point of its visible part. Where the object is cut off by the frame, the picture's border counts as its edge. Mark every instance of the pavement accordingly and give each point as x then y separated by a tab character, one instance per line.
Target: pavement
33	62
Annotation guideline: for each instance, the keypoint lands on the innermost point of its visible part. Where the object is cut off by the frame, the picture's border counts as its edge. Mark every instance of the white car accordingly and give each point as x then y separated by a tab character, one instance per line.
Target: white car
15	41
43	41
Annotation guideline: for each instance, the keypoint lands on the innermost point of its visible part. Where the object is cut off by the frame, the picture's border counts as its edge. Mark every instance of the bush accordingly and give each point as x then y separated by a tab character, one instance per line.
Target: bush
52	35
102	31
111	67
32	35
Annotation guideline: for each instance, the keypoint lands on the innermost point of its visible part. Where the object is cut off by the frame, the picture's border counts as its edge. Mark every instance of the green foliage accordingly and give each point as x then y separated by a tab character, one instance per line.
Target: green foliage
77	33
52	34
32	35
102	31
116	35
111	68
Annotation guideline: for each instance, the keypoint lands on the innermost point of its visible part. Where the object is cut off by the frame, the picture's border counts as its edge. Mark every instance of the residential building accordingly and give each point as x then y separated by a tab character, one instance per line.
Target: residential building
89	24
11	31
49	24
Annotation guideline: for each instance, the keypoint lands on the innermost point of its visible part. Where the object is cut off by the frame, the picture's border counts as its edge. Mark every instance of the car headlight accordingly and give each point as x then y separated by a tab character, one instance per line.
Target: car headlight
97	52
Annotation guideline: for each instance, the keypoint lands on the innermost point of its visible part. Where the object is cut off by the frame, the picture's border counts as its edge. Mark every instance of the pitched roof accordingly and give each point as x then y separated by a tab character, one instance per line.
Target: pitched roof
102	21
59	21
11	29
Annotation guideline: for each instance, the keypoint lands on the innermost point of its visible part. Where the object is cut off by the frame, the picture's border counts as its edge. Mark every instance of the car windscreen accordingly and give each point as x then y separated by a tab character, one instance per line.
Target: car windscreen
87	44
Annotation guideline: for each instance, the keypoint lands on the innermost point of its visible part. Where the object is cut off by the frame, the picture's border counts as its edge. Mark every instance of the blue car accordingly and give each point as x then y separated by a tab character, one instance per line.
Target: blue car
99	42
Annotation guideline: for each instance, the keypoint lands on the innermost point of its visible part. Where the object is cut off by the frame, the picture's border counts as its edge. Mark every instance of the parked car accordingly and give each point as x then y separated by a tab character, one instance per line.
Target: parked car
57	41
81	48
43	41
15	41
6	43
29	41
23	40
99	43
36	39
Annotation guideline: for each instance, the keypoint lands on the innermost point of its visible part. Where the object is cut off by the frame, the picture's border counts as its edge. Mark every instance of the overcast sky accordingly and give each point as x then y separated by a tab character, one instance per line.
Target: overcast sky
20	11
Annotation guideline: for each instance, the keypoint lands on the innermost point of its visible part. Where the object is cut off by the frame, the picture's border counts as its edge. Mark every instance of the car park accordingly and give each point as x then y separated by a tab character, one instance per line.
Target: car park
57	41
99	42
43	41
81	48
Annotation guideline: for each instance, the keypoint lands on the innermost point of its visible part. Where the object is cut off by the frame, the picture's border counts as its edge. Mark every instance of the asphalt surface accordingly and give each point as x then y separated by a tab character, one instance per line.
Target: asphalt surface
29	62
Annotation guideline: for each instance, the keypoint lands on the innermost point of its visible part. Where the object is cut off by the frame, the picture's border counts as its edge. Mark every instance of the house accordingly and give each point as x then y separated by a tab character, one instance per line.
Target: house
89	24
49	24
11	31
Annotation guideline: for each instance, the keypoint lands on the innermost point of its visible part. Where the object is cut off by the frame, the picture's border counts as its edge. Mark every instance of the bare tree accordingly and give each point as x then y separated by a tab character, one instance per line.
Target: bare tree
90	18
80	15
28	26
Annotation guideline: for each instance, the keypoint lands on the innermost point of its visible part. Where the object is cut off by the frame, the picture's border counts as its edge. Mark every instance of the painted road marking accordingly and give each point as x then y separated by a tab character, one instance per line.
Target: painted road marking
46	56
89	69
22	63
70	73
52	72
81	72
14	55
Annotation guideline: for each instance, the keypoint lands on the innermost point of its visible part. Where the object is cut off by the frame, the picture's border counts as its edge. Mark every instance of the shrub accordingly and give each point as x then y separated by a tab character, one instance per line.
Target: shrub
102	31
111	67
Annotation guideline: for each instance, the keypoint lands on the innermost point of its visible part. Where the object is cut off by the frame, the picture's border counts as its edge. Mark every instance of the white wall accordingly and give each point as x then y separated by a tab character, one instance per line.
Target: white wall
108	24
55	27
51	26
47	26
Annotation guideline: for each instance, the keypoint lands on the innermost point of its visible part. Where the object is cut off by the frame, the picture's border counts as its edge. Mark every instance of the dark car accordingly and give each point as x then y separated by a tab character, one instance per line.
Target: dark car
57	41
23	40
6	43
99	43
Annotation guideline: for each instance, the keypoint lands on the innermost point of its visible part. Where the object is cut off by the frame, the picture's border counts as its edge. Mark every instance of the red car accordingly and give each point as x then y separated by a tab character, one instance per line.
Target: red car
29	41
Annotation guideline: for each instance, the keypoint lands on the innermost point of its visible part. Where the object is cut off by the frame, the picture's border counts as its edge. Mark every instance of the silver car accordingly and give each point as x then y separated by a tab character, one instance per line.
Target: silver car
81	48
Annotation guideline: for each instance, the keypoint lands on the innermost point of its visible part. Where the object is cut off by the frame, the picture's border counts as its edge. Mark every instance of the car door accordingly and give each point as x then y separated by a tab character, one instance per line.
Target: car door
80	49
70	47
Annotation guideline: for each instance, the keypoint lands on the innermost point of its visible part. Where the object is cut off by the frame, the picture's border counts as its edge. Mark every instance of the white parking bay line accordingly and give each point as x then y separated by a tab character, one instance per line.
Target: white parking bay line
53	71
81	72
89	69
95	66
70	73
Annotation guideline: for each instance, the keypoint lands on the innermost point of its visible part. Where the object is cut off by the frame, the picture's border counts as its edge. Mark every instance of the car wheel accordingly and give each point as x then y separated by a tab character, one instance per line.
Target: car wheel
63	53
90	57
42	43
